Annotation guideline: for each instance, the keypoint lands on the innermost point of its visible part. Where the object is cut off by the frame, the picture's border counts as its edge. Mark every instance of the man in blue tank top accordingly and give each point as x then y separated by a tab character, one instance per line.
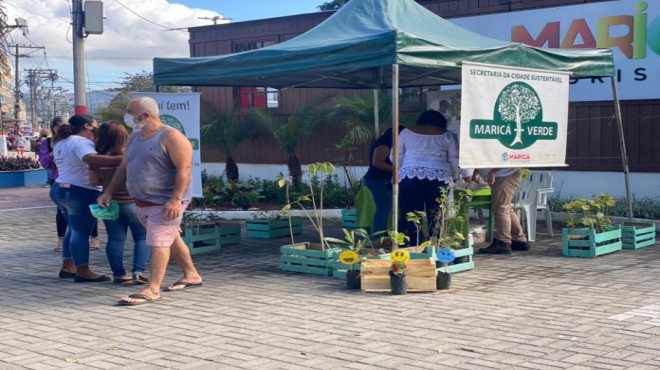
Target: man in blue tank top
157	170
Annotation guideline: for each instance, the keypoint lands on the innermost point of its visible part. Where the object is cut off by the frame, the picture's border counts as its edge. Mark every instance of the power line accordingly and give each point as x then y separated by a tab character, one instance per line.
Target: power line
141	16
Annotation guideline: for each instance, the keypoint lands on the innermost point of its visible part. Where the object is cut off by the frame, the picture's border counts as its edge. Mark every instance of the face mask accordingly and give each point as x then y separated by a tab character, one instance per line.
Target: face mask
133	121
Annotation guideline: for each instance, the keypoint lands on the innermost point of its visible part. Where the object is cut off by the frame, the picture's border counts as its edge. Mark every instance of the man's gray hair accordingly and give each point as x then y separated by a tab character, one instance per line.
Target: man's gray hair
147	105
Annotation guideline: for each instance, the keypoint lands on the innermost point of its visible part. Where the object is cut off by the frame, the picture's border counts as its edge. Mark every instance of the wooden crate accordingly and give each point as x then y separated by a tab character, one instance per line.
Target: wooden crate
420	275
339	270
586	242
296	258
349	218
272	229
229	234
636	236
201	238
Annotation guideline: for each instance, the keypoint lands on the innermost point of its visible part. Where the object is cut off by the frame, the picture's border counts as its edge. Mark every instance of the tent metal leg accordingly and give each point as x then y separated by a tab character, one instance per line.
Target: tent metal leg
376	113
622	142
395	147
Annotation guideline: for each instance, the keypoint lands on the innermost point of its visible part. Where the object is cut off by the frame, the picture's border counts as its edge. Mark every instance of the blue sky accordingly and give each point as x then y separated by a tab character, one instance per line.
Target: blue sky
239	11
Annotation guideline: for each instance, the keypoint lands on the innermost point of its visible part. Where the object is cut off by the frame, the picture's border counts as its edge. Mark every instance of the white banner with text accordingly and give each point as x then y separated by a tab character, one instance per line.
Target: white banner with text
513	117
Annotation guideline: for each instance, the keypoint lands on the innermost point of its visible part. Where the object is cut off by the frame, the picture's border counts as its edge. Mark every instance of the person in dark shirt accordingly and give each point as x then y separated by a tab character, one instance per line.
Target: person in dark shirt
379	178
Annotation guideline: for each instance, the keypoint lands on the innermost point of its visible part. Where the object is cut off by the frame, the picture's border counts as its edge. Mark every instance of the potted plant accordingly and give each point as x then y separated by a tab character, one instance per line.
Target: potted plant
312	258
358	244
266	226
589	231
398	283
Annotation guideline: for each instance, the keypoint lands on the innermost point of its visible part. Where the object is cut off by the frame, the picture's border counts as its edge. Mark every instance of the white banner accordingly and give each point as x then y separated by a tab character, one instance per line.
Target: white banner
631	28
513	117
182	111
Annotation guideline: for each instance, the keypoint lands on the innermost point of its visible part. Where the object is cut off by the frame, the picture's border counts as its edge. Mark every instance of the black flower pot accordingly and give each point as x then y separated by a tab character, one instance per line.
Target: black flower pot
443	281
353	279
398	283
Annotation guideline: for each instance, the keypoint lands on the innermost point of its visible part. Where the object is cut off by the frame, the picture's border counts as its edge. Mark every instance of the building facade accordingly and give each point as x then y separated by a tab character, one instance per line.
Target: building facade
592	138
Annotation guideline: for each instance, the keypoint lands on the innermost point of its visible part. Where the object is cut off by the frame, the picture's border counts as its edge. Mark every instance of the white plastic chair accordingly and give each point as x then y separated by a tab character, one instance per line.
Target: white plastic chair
543	181
527	201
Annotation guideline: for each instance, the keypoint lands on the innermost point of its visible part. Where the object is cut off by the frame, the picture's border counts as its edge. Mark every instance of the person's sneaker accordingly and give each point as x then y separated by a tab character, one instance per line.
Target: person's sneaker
496	247
519	246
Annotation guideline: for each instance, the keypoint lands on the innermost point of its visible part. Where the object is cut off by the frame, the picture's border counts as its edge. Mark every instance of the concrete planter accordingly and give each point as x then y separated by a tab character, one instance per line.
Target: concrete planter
17	179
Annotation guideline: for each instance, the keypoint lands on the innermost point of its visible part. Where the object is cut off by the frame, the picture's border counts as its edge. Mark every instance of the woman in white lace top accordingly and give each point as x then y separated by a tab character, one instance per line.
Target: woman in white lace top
428	160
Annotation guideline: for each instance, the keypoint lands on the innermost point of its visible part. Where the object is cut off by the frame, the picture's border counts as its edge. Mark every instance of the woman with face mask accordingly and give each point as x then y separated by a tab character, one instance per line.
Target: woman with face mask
74	193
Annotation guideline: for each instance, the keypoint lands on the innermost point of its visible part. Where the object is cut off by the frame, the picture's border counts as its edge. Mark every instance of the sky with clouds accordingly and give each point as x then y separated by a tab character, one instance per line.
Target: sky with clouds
129	43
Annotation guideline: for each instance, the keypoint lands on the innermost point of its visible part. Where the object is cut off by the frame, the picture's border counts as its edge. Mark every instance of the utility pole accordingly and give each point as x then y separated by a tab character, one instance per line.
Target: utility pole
17	76
80	99
35	77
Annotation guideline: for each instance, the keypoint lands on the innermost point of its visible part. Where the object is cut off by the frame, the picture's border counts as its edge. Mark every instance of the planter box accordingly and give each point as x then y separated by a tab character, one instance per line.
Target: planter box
339	269
455	267
201	238
420	275
272	229
17	179
296	258
588	243
209	237
636	236
349	218
229	234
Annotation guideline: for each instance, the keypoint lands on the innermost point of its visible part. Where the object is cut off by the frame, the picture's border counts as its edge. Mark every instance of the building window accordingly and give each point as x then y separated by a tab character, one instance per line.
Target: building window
240	46
272	98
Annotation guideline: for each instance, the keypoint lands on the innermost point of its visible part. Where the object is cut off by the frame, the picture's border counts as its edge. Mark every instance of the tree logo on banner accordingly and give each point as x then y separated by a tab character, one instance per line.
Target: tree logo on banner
517	119
174	122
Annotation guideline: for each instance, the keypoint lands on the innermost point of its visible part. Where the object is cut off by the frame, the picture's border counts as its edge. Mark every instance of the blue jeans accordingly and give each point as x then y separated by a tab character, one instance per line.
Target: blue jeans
381	190
117	240
75	202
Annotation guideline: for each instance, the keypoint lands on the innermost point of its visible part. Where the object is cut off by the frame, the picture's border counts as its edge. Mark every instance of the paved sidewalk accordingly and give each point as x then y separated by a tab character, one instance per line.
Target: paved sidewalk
534	310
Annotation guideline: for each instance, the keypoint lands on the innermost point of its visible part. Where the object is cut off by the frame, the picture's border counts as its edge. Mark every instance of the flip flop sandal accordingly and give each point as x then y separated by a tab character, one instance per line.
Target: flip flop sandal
136	300
181	285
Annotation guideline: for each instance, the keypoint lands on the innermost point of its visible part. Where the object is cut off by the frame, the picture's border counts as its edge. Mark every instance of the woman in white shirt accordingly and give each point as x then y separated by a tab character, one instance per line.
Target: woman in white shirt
74	193
428	160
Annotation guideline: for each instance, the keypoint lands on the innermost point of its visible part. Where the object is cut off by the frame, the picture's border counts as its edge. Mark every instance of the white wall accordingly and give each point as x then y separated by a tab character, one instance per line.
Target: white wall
271	171
567	184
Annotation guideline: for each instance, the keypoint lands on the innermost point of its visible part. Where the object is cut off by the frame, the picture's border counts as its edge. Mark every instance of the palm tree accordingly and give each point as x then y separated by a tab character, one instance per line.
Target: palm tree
228	130
290	132
356	114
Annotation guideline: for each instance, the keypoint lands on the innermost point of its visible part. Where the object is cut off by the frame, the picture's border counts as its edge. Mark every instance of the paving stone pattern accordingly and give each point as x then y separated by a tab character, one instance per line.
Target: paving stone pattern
535	310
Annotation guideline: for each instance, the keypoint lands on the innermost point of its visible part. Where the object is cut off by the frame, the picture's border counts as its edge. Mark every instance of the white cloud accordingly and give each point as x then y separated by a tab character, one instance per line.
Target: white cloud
128	43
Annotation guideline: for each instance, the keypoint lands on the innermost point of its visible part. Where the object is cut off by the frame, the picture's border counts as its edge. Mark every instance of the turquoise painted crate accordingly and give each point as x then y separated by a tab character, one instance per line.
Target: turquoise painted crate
453	268
586	242
229	234
201	238
339	270
308	261
272	229
636	236
349	218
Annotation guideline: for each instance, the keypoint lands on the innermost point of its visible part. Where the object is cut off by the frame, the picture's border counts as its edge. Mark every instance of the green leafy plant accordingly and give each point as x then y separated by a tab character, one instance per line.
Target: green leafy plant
359	241
312	199
590	213
449	220
419	219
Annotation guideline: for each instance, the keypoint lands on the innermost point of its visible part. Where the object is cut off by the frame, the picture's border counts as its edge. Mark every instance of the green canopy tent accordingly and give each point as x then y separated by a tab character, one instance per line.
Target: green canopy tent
379	44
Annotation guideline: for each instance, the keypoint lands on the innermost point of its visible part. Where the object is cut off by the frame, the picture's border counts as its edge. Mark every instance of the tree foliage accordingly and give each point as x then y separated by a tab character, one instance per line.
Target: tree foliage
520	104
333	5
132	82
